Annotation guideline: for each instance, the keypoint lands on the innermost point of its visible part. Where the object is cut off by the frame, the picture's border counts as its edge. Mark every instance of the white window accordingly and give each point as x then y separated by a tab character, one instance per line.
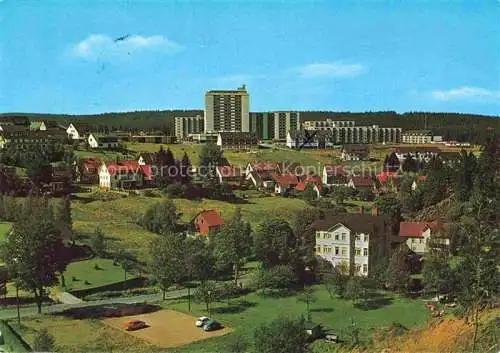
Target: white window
343	236
365	252
358	252
336	250
344	251
365	268
358	237
336	237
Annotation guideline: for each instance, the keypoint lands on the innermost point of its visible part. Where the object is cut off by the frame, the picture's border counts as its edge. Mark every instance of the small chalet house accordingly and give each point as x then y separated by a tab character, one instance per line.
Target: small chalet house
122	175
259	174
229	174
284	183
334	175
103	142
421	236
147	158
77	131
207	222
360	183
355	243
355	152
235	140
88	171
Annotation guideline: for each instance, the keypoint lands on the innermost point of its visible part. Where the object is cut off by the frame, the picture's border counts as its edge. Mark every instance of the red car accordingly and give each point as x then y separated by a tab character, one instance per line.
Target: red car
133	325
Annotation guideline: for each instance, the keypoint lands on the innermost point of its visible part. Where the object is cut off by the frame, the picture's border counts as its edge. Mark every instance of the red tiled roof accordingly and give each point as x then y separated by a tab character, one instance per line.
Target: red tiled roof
286	179
412	229
132	164
303	185
422	178
361	181
211	217
229	171
124	167
91	163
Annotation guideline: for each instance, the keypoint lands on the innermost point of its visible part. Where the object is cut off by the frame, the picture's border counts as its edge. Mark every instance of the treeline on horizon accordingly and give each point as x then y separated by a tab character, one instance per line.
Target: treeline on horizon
452	126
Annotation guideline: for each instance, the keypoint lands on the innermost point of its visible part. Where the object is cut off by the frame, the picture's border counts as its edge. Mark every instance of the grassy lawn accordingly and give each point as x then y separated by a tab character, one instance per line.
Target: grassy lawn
118	218
85	270
102	155
4	228
80	335
246	313
312	158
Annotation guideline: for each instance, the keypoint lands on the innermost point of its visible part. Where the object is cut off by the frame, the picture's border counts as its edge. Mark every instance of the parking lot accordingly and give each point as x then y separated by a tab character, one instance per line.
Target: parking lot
167	328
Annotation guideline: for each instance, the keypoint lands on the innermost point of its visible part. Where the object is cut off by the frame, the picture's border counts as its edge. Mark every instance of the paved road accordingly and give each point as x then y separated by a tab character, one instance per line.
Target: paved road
11	313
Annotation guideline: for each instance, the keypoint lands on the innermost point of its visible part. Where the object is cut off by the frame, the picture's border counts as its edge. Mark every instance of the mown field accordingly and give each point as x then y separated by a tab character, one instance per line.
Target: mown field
243	315
92	273
4	228
246	313
118	218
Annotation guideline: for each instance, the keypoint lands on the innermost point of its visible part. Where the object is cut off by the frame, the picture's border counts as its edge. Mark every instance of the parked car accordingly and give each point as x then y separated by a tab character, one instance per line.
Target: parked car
212	325
201	321
133	325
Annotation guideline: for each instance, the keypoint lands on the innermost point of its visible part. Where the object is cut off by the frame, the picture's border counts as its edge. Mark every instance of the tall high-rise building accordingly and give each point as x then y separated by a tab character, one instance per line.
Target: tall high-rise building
185	125
227	110
274	125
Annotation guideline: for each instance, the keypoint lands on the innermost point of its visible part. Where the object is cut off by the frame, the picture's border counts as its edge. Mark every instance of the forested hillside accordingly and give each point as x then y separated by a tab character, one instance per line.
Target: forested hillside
461	127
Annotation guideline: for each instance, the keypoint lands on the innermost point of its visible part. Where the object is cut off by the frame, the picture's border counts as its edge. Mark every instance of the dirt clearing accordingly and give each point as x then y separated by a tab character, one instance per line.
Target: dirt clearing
167	328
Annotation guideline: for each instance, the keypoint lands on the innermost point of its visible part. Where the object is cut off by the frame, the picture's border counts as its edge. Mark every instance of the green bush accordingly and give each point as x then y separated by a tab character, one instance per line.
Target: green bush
12	340
124	293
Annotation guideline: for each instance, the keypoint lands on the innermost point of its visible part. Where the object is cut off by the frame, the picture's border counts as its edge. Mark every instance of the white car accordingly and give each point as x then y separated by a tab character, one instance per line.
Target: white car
201	321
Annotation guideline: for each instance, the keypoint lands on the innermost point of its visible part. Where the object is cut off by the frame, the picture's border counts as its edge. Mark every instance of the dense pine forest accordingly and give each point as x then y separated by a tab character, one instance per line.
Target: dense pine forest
452	126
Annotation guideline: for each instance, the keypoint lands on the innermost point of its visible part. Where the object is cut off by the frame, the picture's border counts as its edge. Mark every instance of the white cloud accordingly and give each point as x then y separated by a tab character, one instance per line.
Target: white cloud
466	93
100	45
331	70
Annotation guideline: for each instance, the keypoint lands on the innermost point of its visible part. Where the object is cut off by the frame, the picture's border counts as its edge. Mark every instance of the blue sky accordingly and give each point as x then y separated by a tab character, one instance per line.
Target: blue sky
63	57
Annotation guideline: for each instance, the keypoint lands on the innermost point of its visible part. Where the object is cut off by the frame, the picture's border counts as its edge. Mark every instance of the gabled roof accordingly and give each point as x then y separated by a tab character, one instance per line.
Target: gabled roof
422	178
358	223
285	180
412	229
211	217
90	163
149	157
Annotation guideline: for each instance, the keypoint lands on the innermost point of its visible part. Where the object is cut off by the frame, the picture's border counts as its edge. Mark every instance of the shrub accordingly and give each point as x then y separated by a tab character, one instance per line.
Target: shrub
275	281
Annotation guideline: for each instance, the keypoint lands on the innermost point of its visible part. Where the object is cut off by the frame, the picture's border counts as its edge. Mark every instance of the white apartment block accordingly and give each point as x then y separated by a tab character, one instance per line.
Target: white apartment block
417	137
346	132
185	125
227	110
344	248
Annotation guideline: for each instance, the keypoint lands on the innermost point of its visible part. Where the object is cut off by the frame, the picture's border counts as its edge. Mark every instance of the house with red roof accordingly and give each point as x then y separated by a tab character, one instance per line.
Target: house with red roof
207	221
421	236
88	171
284	183
303	185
